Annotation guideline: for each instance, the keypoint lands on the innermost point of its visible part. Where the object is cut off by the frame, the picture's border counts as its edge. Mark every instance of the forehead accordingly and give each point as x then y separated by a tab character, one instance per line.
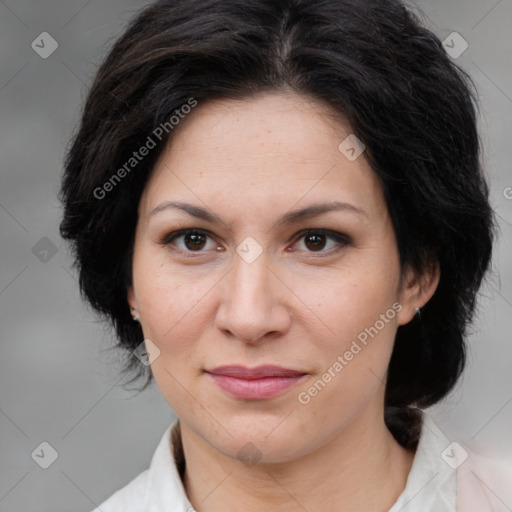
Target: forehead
267	151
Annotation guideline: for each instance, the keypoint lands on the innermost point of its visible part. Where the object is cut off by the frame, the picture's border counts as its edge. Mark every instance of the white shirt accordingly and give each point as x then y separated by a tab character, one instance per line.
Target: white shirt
443	478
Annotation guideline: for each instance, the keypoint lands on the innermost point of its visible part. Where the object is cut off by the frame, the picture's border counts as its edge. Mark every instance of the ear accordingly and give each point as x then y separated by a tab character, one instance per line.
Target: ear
416	291
131	301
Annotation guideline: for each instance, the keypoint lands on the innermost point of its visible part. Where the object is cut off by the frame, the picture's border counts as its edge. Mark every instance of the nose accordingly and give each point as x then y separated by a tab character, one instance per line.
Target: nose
253	307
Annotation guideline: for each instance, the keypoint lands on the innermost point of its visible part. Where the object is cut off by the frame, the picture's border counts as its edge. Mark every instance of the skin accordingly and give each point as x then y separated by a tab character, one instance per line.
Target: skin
297	305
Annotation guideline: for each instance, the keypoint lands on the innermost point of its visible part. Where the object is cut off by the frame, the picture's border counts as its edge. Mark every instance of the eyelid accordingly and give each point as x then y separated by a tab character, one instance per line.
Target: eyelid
337	235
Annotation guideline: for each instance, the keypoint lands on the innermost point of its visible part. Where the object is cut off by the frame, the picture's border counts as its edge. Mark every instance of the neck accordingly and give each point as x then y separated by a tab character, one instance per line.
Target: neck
363	468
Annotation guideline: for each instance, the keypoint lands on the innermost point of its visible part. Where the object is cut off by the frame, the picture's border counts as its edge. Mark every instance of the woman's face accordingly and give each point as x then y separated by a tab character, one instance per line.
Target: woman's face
258	283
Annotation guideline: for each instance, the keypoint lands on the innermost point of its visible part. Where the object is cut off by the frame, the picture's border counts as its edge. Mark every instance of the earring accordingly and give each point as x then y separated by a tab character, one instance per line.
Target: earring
418	312
136	318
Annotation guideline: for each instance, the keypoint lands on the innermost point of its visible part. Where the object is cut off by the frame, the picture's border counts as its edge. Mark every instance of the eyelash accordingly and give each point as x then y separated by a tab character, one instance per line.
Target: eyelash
341	240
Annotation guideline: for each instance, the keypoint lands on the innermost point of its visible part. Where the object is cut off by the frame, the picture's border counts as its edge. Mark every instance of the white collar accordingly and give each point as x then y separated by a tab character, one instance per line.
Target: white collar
432	483
165	490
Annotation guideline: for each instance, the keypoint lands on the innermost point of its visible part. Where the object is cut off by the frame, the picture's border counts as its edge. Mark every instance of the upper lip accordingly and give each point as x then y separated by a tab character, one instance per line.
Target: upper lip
260	372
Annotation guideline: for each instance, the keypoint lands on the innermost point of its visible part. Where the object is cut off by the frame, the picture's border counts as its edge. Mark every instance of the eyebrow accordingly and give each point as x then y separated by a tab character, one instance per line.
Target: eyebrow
292	217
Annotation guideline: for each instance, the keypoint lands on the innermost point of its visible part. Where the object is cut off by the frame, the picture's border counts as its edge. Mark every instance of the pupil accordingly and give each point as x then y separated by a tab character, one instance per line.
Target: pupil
315	241
194	240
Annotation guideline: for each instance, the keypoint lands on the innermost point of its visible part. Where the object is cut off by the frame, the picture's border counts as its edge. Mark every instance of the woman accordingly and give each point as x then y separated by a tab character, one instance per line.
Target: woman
275	205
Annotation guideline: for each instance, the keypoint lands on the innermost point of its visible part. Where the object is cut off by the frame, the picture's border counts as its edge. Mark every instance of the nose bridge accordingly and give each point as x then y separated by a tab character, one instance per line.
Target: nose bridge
250	290
250	307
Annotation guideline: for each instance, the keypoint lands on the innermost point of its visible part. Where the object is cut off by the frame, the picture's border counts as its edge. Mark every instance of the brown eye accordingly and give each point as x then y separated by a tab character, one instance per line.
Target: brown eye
189	240
315	241
322	241
194	241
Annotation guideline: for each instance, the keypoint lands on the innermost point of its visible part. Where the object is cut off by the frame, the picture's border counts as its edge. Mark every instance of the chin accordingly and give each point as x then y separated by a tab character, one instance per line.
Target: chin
267	439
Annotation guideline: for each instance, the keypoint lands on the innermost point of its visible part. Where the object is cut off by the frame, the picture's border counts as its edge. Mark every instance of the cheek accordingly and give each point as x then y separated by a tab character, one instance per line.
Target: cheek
358	312
344	303
170	300
173	309
353	366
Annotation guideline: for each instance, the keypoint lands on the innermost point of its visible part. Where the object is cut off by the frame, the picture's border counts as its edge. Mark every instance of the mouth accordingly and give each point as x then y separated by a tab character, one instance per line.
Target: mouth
258	383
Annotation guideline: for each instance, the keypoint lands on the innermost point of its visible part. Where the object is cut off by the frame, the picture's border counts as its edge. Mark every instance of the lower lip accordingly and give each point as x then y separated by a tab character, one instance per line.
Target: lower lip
257	389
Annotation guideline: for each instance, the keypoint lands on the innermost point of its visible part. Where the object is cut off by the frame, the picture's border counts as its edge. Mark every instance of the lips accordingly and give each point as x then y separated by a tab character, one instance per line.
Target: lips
261	372
258	383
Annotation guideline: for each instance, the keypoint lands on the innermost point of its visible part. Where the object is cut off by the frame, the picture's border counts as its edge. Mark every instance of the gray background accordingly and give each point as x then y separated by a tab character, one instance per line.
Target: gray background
58	381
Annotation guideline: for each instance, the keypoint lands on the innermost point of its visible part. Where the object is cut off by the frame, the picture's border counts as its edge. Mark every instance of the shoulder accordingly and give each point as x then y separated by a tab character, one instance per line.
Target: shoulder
129	498
157	488
479	482
484	483
447	476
